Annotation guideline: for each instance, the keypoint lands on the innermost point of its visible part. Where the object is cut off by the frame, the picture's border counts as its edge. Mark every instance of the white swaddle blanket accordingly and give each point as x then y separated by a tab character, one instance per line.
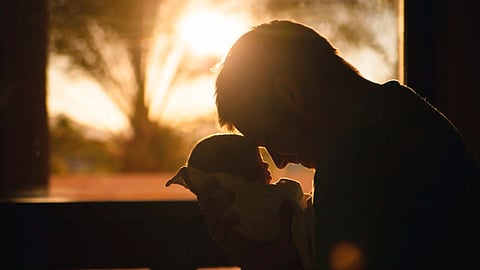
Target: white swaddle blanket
257	206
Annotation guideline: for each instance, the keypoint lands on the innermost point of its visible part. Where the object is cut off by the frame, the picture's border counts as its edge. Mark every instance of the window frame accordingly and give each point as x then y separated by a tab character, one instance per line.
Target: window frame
38	233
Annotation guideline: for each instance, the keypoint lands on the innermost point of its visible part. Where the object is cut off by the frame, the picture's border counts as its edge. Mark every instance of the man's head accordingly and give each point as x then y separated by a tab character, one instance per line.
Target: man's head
230	153
260	57
272	83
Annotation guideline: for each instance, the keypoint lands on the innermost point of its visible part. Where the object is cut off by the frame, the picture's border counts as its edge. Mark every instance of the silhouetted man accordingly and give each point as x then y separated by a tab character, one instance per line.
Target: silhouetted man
395	185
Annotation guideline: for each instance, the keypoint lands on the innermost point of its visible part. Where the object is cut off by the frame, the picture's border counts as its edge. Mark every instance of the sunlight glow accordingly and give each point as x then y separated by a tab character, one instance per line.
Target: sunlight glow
209	32
203	33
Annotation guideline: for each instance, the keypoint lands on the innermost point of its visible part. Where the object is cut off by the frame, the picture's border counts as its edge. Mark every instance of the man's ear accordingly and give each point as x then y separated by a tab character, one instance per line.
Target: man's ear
289	92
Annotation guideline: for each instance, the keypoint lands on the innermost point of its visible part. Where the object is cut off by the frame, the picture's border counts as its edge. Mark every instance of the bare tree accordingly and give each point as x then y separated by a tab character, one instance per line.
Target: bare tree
111	41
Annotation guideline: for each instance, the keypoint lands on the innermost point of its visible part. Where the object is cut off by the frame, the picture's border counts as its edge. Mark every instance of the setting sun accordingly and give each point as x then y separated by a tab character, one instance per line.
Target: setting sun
209	32
203	34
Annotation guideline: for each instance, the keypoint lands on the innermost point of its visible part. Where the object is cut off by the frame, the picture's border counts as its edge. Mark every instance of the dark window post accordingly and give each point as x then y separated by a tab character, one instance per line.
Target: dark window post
23	120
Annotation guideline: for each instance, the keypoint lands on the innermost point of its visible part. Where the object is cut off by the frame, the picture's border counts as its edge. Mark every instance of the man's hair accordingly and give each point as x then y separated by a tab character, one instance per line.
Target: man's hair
248	72
227	153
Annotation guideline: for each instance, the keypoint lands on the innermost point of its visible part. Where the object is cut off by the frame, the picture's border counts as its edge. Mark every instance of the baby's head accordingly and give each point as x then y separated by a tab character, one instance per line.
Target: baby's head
230	153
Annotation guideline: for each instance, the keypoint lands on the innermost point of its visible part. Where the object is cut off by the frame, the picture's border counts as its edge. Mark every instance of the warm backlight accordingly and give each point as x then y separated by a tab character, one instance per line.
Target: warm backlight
209	32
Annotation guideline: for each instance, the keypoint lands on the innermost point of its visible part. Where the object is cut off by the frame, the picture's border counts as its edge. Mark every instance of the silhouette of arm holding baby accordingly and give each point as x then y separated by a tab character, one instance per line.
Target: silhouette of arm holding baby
249	254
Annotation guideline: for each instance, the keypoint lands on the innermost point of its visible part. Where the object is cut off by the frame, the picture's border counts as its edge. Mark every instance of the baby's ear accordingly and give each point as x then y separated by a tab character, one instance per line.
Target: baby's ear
210	185
288	91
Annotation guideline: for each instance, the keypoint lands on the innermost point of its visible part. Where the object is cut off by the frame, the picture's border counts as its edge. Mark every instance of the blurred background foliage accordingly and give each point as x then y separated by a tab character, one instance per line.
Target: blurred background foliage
109	40
72	151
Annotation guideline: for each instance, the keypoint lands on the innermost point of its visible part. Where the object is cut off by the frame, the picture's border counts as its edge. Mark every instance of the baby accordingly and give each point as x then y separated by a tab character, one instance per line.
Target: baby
235	164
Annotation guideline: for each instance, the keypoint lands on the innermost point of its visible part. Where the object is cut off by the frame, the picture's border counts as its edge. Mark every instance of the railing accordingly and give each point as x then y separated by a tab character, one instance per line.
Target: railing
75	235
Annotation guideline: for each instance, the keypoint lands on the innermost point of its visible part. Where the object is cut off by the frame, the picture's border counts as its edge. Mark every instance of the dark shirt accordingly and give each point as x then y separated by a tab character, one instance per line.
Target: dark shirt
399	188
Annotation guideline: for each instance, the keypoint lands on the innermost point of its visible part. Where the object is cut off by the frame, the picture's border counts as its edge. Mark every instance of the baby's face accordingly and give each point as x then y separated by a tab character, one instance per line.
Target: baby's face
262	167
250	165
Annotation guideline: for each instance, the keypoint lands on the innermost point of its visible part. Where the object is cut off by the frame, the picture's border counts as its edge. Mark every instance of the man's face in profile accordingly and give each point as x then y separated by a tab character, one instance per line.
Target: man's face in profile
284	136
